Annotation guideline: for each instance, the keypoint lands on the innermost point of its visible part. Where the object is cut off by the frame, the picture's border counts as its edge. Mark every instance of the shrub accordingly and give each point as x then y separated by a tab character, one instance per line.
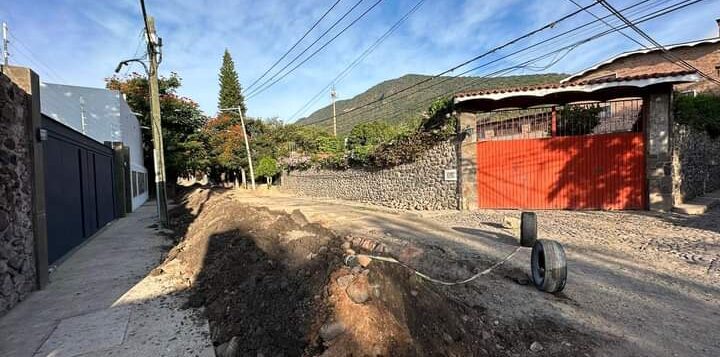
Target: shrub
701	112
576	120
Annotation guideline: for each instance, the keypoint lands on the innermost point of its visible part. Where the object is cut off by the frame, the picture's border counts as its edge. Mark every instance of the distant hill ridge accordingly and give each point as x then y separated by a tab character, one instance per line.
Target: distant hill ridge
410	103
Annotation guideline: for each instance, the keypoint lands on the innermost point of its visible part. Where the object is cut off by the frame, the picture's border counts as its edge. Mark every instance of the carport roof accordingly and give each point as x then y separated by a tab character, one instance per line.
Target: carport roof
593	89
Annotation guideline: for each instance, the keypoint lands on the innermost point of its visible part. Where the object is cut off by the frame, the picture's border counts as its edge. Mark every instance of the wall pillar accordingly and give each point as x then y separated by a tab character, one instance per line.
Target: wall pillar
467	161
29	81
658	150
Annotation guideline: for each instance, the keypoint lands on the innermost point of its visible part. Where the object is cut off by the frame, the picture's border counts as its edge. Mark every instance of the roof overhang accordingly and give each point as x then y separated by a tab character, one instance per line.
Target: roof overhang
567	93
596	66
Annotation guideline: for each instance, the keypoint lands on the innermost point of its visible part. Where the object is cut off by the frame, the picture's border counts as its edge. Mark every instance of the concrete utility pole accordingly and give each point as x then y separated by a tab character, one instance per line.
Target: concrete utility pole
153	44
6	53
247	144
333	95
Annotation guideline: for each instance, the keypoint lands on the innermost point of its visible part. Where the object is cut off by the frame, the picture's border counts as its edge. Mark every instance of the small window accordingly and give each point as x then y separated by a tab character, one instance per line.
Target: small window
134	183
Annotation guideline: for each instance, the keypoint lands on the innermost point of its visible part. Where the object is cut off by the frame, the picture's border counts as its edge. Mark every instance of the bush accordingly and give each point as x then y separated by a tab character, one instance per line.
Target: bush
701	112
575	120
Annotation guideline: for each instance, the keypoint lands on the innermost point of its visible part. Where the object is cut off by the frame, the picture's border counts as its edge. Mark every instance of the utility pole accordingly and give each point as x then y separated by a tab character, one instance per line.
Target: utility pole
247	144
83	124
6	53
153	46
333	95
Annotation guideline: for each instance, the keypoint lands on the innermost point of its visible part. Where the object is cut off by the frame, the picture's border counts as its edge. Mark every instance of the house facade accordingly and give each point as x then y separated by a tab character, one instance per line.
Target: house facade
703	55
103	115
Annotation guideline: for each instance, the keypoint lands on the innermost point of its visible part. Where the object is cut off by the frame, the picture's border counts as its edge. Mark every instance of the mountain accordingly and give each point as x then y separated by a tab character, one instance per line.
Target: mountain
411	103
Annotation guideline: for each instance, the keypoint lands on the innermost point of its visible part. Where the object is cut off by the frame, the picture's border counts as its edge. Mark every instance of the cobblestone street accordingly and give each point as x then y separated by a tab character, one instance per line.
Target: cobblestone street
690	244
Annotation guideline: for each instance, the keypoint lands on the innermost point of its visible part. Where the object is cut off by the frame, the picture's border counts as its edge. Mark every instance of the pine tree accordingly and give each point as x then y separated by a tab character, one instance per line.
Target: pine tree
230	89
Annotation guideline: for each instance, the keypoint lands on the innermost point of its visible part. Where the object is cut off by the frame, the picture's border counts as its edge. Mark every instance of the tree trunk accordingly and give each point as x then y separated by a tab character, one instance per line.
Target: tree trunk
244	180
269	181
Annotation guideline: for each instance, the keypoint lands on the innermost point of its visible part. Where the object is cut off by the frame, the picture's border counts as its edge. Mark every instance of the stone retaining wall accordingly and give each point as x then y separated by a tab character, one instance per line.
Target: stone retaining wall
696	164
17	257
418	185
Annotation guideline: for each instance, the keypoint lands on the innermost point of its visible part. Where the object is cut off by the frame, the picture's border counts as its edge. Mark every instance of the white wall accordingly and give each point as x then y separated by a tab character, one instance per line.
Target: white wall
102	115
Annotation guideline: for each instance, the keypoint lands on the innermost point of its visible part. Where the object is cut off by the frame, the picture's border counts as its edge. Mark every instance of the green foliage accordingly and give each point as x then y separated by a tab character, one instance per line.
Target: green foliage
411	105
701	112
577	120
267	167
230	90
181	120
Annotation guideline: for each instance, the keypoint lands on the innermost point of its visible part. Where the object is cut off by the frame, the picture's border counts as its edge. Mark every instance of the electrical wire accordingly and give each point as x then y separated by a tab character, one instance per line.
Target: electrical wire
658	13
293	46
317	50
349	259
667	54
359	59
249	93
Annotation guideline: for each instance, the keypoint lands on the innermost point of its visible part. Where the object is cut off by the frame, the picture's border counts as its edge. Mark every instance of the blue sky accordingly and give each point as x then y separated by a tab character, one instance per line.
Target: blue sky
79	42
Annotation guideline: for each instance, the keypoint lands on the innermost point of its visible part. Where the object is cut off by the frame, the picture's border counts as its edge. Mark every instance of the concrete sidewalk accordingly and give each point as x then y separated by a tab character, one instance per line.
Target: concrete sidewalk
101	301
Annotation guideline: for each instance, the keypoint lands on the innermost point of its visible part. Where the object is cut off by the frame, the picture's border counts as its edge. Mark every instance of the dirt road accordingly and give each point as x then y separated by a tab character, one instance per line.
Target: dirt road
638	284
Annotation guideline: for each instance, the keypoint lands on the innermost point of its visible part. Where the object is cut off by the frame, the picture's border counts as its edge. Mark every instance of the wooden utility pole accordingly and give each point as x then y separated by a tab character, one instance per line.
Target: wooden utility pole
333	95
158	153
247	144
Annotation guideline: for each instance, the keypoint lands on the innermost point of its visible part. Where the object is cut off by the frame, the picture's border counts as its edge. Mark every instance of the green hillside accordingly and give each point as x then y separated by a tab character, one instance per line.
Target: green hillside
410	104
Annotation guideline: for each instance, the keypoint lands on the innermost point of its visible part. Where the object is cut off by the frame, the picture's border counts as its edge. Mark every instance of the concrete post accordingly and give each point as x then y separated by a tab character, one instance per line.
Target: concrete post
658	150
467	161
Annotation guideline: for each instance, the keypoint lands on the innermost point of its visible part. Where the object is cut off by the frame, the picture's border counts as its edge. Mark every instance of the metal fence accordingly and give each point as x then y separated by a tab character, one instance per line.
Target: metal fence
588	118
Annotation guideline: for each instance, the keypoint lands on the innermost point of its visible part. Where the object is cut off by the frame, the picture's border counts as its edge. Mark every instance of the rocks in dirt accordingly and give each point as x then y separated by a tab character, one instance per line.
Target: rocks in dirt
536	347
299	218
358	291
345	280
346	245
331	330
511	222
364	260
228	349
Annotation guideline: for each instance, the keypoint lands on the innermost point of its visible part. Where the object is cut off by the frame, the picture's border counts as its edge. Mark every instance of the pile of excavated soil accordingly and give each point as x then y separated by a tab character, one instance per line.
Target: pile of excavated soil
274	284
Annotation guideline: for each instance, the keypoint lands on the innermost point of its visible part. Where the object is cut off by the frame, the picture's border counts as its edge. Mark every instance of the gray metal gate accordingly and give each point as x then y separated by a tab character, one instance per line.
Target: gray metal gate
79	190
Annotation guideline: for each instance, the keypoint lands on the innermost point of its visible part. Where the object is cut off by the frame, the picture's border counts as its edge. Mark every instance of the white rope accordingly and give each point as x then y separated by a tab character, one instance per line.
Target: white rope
426	277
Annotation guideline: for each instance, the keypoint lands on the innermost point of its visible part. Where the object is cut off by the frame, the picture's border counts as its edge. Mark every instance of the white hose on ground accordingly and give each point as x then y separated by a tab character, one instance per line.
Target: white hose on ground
426	277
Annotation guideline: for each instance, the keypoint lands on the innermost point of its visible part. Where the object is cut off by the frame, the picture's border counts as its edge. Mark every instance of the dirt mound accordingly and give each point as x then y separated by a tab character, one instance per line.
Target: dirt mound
273	284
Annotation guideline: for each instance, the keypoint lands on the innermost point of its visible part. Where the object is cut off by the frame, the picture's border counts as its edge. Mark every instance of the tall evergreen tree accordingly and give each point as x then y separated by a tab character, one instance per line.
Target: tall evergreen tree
230	89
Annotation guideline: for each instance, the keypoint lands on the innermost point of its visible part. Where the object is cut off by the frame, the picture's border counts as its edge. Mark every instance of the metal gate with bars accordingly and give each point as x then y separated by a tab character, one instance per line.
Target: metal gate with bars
577	156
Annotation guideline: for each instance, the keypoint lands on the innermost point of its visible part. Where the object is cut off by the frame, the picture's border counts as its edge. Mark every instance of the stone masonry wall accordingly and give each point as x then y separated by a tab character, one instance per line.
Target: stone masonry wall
17	260
696	163
418	185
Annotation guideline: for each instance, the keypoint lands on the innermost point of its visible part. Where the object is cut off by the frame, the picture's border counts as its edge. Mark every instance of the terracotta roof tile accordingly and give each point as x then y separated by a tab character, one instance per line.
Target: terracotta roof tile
573	84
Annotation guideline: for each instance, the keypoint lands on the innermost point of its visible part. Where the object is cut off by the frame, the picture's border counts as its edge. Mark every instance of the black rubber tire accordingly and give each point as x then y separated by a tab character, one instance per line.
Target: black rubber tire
528	229
548	266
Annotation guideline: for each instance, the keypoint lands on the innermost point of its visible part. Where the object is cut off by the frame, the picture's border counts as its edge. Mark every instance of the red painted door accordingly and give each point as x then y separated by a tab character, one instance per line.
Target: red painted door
604	171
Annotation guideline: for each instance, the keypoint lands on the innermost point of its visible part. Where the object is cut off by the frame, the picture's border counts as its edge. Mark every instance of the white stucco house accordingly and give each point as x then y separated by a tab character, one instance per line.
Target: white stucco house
104	116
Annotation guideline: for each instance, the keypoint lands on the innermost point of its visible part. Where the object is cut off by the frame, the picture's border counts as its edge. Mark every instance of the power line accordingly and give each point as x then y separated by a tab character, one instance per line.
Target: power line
309	46
668	55
359	59
610	26
319	49
293	46
491	51
647	17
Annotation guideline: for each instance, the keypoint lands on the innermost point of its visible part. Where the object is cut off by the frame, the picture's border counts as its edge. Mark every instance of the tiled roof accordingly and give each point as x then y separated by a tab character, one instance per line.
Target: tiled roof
706	41
558	85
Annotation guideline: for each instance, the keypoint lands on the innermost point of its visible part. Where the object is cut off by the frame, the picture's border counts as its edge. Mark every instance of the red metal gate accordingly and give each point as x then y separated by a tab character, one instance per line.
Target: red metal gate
543	159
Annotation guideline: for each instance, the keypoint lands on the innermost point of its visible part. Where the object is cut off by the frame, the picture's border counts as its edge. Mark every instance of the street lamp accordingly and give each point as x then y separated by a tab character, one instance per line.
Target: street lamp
158	155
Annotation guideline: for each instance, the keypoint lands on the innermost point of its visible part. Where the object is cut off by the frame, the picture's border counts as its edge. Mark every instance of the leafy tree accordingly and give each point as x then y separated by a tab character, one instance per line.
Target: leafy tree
365	137
181	119
576	120
230	90
268	168
701	112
